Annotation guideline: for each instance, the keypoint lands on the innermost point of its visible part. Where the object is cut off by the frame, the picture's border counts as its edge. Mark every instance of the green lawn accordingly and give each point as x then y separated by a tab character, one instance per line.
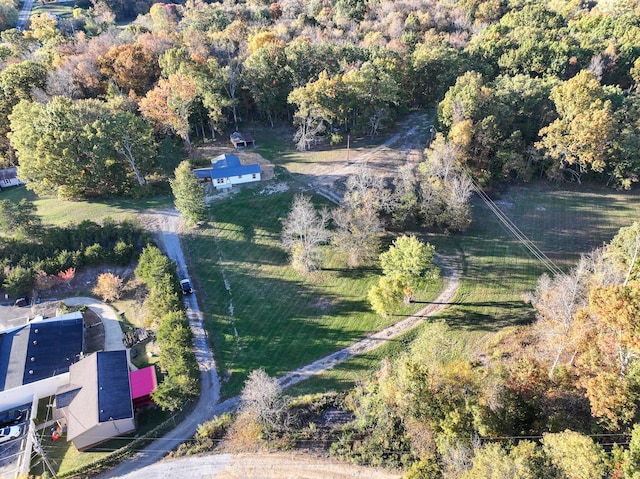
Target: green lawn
59	212
272	317
64	10
564	222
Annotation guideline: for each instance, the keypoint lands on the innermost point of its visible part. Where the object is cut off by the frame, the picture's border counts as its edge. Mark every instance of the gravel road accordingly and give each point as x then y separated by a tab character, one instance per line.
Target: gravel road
168	223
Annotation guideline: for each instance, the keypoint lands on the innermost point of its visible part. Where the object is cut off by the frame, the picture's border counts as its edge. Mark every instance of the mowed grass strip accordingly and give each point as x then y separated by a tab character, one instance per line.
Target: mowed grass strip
259	312
55	211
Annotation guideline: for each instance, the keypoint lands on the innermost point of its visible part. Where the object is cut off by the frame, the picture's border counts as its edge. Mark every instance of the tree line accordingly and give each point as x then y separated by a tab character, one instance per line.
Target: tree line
38	257
523	89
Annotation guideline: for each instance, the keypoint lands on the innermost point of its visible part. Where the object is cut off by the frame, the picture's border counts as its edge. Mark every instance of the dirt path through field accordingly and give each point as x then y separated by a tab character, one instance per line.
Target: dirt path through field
406	146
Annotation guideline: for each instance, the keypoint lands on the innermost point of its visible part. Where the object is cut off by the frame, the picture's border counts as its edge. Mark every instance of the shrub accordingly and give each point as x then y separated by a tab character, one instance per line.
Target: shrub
108	287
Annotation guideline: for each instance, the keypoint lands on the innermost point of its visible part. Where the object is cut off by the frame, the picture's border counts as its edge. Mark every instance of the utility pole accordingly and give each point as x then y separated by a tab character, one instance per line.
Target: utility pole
348	141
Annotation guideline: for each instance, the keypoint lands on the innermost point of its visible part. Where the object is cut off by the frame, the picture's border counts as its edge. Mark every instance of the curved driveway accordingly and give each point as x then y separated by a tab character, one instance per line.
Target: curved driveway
168	222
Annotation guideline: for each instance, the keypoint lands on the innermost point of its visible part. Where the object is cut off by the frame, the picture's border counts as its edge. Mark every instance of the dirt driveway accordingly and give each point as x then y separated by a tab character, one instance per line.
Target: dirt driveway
262	466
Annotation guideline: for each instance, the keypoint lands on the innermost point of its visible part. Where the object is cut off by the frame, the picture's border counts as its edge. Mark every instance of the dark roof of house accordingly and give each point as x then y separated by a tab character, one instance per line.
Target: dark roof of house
114	389
102	392
40	350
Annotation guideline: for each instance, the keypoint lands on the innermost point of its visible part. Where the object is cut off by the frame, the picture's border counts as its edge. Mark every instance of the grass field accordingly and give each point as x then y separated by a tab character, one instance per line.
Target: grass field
259	312
64	10
59	212
564	221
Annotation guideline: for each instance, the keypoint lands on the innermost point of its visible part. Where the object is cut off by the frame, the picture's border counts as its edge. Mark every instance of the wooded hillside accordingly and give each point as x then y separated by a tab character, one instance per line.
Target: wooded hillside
524	88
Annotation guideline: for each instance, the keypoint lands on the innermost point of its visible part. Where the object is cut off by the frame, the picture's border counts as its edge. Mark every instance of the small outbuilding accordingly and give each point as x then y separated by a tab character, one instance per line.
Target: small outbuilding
9	177
143	382
226	171
242	140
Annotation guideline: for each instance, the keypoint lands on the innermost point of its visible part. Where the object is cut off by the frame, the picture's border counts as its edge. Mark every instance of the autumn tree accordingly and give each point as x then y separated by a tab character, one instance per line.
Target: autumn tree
108	287
131	67
444	188
313	110
188	195
303	231
624	251
581	139
357	221
169	105
493	461
557	300
575	456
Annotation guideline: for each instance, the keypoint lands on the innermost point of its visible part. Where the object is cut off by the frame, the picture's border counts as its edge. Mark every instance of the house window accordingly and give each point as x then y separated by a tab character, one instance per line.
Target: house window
253	176
220	180
239	177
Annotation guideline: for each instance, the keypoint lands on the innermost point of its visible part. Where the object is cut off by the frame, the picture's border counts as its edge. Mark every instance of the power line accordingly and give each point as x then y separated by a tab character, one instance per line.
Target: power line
511	228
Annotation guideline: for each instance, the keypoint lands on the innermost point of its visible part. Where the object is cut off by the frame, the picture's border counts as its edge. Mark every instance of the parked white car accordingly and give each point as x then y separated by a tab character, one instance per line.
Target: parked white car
10	433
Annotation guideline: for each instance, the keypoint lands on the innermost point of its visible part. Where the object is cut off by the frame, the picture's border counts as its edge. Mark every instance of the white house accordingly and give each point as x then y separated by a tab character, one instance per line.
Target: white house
226	171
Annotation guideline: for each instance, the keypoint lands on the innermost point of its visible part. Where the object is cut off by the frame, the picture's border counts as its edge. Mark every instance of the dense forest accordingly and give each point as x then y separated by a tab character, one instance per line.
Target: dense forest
520	89
523	89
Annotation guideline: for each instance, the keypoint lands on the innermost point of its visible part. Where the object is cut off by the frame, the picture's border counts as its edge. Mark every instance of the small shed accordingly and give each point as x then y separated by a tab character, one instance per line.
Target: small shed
9	177
226	171
242	140
143	382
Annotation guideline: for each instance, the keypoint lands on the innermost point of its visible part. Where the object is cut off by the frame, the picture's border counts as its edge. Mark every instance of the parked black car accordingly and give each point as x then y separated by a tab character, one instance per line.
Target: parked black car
185	286
12	417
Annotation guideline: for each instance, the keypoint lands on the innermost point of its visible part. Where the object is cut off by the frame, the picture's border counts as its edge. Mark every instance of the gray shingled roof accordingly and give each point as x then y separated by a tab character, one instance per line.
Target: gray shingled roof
104	395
